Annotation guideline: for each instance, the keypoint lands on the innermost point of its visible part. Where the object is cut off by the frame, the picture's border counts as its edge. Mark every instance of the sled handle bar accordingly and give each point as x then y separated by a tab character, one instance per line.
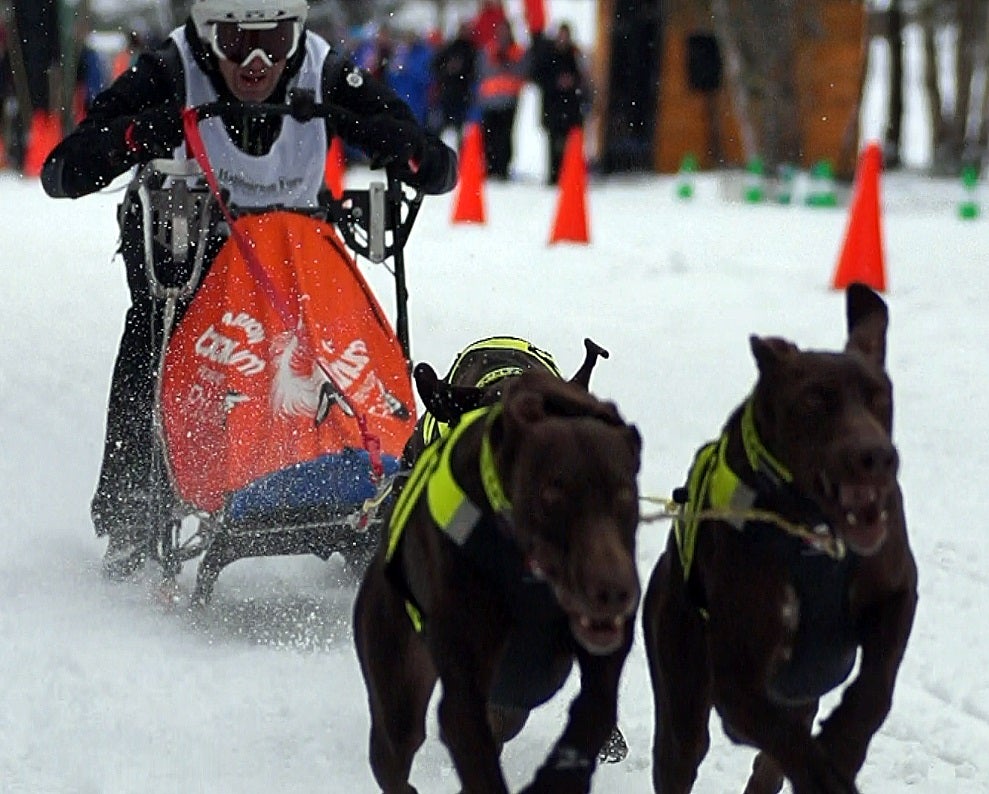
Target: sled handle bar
301	106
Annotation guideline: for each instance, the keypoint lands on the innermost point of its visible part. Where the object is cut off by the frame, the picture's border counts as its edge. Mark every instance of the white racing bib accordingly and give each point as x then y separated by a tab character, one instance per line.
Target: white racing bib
292	172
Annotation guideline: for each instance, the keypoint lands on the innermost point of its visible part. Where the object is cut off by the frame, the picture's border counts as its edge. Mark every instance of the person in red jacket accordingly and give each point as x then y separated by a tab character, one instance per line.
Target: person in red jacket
487	22
501	75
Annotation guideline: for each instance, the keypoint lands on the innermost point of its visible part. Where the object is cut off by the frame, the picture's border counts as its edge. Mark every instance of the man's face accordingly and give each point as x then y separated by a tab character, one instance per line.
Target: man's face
253	82
252	56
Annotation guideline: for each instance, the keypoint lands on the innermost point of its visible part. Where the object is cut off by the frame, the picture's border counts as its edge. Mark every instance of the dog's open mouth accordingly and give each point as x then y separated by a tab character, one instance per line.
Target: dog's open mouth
859	511
599	637
600	631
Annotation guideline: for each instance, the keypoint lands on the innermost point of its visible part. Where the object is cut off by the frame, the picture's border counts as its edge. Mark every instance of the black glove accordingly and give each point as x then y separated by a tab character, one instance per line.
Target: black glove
154	132
389	140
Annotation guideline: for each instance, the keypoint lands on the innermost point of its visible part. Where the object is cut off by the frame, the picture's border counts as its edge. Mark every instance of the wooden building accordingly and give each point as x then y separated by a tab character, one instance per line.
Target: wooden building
669	60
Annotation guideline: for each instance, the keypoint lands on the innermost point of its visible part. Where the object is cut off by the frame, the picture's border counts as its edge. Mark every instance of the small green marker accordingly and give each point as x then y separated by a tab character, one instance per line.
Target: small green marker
822	191
968	209
784	194
685	180
755	190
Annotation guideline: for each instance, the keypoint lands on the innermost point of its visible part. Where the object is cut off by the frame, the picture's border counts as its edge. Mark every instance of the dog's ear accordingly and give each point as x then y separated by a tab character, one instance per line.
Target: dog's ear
591	352
868	319
445	402
769	351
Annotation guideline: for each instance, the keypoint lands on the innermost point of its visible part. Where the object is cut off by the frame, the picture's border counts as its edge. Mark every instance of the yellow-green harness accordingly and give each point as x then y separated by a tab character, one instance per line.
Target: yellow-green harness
432	428
451	509
714	491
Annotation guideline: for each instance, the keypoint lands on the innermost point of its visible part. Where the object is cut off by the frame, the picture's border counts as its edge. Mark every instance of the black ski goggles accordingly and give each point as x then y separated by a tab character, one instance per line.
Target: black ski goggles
271	41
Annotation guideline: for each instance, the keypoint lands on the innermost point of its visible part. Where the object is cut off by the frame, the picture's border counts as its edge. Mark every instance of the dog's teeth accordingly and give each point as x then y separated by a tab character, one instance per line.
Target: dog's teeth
585	622
618	622
850	518
884	516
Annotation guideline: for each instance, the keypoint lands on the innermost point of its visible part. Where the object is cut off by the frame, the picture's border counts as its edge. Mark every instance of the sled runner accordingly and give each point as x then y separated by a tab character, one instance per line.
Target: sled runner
283	398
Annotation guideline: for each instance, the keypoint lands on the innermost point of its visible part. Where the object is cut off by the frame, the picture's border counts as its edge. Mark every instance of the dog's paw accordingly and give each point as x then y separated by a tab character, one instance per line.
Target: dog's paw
615	749
566	771
819	776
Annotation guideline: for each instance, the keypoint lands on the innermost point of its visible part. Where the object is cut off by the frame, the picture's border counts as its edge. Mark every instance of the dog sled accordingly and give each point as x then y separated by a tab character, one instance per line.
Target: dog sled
283	398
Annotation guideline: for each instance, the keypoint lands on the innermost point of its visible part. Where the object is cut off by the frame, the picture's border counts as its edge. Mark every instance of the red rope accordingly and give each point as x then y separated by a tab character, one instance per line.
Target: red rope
291	318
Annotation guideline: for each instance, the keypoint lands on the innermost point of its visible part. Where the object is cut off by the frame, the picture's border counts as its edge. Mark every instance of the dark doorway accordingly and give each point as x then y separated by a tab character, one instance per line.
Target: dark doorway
37	27
633	85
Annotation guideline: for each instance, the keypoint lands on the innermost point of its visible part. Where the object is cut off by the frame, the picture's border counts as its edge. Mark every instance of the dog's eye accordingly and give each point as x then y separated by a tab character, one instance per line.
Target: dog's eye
625	495
819	399
880	402
551	497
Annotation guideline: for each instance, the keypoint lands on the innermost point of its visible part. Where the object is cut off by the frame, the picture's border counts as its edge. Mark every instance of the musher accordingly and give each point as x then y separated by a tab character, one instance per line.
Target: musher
247	50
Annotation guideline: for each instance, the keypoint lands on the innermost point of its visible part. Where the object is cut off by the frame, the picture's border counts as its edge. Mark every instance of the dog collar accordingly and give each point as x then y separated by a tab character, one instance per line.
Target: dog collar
760	459
490	480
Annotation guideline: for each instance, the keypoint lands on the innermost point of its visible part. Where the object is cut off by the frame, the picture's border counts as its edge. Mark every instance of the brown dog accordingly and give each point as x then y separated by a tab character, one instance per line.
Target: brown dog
511	553
790	555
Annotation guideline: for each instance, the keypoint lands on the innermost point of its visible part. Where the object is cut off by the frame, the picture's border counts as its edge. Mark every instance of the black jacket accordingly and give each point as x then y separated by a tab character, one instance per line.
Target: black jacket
96	152
559	75
455	70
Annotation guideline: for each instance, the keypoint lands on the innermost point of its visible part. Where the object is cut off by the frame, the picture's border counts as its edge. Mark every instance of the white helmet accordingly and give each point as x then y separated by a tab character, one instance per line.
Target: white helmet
205	12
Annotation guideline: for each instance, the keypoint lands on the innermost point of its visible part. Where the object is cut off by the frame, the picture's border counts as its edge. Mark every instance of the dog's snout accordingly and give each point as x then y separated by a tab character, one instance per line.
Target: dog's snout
613	596
612	591
876	460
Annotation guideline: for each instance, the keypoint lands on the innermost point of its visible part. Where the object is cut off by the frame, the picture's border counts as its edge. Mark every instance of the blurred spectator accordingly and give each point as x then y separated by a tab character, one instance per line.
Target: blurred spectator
128	55
501	76
374	52
90	76
7	97
455	71
558	70
488	21
407	72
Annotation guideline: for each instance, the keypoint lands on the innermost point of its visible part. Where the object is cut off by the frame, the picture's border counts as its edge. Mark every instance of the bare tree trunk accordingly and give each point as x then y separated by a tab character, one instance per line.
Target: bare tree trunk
759	38
965	27
894	119
982	135
848	152
730	47
932	87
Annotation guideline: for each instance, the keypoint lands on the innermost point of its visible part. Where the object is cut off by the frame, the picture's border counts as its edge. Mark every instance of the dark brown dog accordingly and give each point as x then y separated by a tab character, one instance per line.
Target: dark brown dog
790	555
512	546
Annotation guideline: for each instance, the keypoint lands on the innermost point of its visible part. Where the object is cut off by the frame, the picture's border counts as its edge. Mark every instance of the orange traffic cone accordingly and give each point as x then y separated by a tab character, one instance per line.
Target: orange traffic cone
335	168
43	136
862	255
571	209
468	206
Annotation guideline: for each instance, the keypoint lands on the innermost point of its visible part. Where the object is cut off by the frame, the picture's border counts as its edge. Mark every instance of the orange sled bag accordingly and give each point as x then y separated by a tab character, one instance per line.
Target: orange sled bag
286	394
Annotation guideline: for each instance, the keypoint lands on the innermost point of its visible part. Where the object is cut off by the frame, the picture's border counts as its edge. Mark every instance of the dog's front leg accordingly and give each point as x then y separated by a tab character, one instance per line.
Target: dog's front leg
465	653
865	704
593	713
743	658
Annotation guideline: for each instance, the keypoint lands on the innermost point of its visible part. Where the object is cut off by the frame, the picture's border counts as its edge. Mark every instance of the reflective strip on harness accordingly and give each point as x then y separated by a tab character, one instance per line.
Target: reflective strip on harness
449	507
711	483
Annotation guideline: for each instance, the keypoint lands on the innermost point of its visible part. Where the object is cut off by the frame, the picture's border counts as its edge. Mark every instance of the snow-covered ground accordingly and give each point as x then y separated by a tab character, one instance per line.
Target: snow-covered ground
104	692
